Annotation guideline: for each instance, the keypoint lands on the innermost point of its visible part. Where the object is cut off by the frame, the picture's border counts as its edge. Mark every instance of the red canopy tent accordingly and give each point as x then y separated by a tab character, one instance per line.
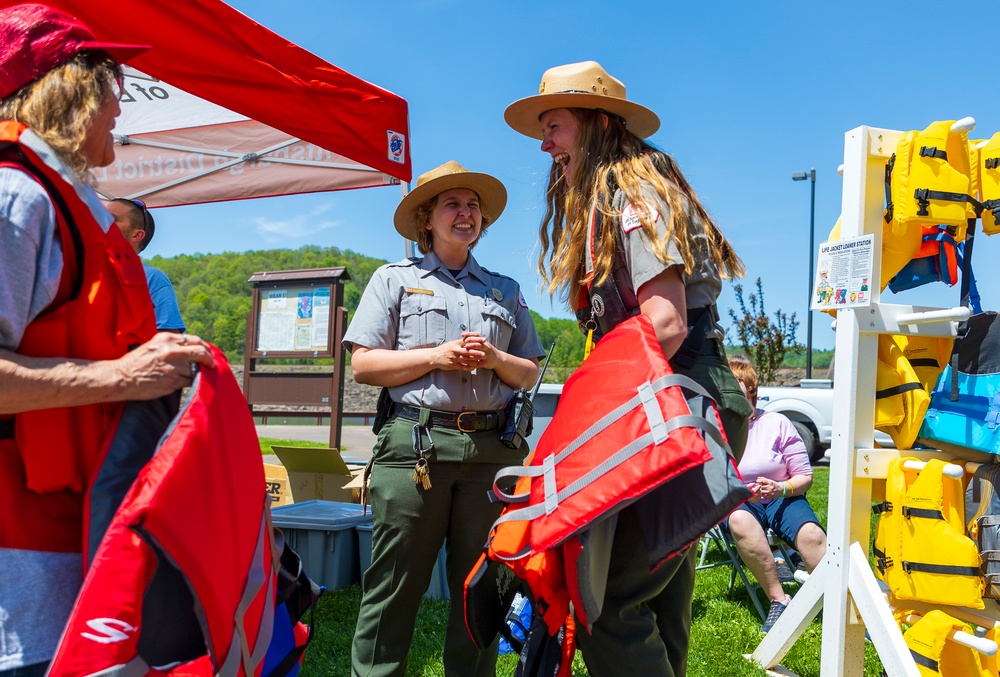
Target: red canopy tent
279	93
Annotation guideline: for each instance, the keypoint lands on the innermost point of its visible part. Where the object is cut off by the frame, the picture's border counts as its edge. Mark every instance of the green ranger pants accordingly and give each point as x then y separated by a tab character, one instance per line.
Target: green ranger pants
410	525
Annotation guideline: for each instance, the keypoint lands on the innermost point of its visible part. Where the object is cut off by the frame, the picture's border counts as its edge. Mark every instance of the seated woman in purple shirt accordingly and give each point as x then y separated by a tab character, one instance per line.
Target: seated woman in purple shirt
776	468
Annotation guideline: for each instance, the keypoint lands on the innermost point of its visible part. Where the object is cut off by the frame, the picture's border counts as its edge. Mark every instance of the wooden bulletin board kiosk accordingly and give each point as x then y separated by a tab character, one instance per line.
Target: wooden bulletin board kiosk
297	314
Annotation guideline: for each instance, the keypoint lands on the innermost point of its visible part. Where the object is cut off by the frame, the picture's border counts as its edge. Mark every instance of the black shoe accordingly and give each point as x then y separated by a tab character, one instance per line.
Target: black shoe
777	608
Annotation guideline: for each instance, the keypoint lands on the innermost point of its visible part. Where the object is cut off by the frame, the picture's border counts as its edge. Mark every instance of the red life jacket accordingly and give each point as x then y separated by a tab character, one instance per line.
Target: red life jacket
102	308
186	575
623	431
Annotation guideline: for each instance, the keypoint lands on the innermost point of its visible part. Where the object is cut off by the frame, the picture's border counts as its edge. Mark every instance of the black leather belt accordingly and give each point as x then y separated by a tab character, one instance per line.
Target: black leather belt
465	421
6	428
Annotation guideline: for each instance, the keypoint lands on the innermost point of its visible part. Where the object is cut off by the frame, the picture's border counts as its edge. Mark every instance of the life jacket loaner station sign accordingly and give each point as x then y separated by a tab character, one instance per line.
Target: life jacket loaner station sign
844	274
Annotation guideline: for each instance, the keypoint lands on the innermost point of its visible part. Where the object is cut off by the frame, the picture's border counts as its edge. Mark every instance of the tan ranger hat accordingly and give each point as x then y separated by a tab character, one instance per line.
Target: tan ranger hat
492	194
580	85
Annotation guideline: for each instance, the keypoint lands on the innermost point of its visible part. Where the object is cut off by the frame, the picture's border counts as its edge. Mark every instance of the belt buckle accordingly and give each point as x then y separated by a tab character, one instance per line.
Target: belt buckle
458	422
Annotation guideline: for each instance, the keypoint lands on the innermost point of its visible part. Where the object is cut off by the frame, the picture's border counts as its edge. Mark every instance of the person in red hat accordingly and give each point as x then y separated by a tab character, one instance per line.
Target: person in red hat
77	331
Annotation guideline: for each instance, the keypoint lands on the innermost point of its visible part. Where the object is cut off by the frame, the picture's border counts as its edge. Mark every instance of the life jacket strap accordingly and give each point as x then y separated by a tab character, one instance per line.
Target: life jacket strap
989	520
924	196
949	570
888	189
993	206
932	151
881	561
923	660
898	390
879	508
909	512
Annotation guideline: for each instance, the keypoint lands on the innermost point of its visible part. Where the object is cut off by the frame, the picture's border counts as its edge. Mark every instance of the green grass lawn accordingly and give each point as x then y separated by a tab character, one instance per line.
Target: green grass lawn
725	627
267	442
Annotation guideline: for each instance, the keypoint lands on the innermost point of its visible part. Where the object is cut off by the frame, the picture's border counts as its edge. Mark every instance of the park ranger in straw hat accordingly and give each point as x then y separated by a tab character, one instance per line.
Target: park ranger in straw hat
452	342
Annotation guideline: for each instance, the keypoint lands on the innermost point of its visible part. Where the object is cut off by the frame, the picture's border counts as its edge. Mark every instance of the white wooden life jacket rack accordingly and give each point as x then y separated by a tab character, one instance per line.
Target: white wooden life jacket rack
843	584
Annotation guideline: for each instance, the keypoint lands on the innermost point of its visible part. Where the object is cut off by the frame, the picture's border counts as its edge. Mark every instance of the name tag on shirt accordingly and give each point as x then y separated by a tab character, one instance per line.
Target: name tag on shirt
415	290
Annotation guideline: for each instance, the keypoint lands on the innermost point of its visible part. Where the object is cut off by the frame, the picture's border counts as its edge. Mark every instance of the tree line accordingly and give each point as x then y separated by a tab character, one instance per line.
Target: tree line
215	297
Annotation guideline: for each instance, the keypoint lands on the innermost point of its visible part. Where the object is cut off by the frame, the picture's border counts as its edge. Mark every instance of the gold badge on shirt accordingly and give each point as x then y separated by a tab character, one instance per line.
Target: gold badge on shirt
497	295
415	290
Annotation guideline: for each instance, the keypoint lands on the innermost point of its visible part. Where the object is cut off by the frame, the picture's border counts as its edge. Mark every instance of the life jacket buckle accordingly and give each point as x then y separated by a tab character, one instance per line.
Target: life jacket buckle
921	196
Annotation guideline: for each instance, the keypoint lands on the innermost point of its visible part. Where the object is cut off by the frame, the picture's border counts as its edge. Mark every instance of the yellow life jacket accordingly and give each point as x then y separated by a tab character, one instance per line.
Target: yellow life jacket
921	549
934	655
988	178
930	180
908	368
900	398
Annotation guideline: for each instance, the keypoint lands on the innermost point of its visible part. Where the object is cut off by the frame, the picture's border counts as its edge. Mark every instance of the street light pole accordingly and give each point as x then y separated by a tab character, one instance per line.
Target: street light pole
802	176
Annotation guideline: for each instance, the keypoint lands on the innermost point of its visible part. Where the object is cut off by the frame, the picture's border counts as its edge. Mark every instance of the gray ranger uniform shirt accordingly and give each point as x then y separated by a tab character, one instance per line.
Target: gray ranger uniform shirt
417	303
701	287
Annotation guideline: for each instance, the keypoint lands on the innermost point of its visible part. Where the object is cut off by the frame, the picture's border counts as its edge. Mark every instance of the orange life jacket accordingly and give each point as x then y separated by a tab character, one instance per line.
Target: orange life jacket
639	434
102	308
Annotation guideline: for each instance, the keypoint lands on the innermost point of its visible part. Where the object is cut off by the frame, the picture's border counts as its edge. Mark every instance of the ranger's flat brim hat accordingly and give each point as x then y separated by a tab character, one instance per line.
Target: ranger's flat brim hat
580	85
450	175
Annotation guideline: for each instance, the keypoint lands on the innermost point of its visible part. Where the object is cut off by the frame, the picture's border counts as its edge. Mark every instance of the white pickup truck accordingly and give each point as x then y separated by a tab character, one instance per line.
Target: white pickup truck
808	405
810	408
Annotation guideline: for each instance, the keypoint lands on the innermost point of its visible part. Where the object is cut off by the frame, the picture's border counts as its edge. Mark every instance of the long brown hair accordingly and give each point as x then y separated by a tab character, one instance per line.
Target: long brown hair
59	105
610	156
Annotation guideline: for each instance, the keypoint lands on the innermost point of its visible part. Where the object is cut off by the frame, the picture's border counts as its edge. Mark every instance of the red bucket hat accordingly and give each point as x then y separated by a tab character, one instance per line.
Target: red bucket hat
34	39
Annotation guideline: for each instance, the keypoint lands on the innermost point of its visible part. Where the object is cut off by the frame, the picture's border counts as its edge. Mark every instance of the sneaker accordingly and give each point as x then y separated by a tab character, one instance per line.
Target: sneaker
777	608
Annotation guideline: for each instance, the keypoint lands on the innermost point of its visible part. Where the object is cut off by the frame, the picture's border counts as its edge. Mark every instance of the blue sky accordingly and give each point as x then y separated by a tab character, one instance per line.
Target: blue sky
747	93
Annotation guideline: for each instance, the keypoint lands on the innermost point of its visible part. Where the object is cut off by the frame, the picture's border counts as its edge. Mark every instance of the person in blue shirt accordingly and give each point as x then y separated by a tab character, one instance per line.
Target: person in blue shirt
138	226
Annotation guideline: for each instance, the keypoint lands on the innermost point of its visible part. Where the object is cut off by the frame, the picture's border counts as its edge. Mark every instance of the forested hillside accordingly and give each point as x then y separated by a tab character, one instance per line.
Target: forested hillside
214	296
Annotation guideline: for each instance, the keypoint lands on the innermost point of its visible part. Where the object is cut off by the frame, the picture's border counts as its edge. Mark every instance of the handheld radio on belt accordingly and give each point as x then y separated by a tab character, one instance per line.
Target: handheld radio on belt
518	425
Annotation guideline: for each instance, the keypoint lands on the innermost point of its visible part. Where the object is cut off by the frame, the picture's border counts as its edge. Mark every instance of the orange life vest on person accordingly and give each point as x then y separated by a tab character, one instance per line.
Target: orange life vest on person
102	308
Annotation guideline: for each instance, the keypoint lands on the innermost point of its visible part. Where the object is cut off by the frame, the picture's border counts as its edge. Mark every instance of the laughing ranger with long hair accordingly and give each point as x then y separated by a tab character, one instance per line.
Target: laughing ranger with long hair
624	234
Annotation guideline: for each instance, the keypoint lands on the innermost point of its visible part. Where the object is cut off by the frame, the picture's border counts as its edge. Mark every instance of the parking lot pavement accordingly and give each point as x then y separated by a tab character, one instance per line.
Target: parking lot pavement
356	440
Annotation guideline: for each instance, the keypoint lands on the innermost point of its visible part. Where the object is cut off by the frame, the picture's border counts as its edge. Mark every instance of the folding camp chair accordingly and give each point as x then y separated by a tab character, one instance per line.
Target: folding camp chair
720	536
723	540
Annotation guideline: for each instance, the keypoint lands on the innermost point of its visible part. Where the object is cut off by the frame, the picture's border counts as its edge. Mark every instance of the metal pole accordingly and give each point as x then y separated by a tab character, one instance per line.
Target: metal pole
409	247
812	247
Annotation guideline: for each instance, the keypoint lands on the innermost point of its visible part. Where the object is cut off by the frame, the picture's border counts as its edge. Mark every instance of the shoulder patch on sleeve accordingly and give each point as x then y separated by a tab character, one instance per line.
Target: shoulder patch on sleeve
520	299
630	216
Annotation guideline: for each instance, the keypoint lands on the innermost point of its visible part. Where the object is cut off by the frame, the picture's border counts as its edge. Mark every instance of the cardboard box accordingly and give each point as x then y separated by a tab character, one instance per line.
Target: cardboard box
319	473
276	479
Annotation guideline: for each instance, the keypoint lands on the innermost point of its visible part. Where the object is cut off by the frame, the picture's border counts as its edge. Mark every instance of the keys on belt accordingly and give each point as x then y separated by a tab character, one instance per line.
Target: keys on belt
464	421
